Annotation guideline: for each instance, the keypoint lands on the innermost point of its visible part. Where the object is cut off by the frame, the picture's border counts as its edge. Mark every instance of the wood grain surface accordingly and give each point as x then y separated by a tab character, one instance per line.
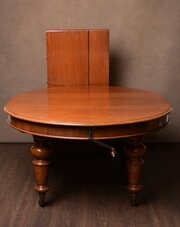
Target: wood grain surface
88	106
78	57
67	57
99	57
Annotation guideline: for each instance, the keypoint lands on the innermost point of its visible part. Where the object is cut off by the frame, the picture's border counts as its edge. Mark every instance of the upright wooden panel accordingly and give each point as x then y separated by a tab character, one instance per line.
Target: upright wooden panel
67	57
99	57
78	57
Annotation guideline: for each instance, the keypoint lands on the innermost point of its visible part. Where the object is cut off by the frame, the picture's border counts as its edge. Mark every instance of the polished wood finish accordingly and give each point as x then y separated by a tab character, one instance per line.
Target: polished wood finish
86	111
88	106
99	57
75	112
42	152
67	57
135	151
78	57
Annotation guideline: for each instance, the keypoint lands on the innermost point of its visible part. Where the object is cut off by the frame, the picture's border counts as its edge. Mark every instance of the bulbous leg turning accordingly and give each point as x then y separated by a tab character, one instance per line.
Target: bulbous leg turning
135	151
42	154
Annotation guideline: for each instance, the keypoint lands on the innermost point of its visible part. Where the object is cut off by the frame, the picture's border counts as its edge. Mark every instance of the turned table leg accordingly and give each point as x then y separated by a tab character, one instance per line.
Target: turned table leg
42	154
135	151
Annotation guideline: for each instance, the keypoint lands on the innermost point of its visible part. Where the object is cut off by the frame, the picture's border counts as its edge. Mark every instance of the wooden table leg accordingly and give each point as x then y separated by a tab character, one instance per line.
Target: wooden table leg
135	151
42	154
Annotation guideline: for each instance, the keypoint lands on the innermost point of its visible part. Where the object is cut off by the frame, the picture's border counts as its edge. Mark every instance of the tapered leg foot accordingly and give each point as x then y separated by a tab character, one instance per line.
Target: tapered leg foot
42	154
135	151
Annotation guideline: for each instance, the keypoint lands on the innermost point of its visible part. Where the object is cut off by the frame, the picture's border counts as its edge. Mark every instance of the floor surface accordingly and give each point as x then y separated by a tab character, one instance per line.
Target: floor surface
89	190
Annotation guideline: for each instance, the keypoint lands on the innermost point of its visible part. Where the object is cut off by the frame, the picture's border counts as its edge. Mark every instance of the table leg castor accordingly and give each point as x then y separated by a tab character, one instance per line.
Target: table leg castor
41	199
133	199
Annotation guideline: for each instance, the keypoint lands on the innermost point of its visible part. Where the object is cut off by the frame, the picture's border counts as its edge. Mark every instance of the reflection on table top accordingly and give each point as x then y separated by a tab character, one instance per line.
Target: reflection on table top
88	106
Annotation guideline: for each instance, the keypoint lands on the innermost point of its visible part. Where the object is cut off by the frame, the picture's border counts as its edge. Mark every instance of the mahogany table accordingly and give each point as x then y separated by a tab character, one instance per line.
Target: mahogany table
88	112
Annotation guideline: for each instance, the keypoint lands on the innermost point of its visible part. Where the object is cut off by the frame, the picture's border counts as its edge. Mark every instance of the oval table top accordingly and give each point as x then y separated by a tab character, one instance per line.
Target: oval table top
88	106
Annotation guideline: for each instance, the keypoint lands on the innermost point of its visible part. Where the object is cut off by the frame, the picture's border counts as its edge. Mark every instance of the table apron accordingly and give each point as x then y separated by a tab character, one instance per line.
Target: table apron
82	132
